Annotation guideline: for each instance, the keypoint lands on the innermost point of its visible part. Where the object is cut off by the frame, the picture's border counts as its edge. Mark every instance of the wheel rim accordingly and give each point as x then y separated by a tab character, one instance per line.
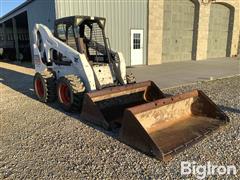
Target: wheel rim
64	94
39	88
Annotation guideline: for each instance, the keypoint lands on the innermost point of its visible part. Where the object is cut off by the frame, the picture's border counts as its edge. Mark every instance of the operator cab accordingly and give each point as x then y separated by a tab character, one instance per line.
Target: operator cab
86	35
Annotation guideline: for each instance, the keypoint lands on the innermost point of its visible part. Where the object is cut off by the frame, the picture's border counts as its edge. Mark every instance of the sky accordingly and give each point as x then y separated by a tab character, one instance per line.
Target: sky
8	5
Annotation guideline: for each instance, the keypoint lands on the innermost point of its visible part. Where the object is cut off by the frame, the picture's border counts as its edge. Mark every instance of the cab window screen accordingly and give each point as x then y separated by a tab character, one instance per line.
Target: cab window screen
61	31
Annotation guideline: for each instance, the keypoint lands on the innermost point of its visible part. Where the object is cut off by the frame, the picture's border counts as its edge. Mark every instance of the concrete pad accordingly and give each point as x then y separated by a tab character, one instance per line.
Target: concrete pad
178	73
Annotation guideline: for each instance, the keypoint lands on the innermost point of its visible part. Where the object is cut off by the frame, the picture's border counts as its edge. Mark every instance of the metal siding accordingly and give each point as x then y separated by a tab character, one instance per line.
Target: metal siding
121	15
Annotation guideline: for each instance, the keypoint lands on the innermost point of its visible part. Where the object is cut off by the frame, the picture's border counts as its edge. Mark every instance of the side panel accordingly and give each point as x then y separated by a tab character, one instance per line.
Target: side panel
122	16
44	45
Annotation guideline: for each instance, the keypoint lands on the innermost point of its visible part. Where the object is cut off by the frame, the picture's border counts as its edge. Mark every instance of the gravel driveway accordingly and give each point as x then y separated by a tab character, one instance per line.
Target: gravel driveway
41	141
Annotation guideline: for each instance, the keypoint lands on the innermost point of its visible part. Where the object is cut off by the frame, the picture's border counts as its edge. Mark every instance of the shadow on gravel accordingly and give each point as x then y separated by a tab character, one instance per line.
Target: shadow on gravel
23	83
229	109
17	81
26	64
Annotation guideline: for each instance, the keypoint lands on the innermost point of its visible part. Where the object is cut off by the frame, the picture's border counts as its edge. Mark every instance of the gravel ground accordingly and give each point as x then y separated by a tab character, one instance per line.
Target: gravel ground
41	141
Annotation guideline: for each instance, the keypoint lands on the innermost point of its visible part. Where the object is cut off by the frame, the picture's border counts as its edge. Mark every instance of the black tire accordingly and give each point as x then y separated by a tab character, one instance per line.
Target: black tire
131	78
45	86
70	91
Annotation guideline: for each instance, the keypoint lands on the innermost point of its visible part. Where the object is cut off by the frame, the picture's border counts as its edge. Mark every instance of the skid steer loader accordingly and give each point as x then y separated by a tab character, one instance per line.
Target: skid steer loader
77	66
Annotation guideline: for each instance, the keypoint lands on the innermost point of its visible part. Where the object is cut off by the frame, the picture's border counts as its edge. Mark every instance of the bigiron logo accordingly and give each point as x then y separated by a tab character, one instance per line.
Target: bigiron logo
209	169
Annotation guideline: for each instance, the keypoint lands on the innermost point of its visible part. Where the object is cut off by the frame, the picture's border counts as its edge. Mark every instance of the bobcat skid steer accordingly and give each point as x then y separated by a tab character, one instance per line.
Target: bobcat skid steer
77	66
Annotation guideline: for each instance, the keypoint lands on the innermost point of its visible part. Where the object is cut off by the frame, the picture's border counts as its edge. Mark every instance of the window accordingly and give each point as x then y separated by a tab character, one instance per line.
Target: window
87	32
136	41
71	38
59	59
55	55
70	32
95	42
61	31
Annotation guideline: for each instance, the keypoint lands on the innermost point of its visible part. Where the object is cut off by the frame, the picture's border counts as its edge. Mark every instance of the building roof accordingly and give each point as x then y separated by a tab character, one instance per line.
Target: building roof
16	9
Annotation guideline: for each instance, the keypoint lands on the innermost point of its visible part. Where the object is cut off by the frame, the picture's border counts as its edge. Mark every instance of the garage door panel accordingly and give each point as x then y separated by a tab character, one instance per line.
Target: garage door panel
178	30
219	30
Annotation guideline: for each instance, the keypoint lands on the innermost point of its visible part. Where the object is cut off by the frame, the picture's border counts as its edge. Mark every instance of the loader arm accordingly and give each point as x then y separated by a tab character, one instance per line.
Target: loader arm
71	62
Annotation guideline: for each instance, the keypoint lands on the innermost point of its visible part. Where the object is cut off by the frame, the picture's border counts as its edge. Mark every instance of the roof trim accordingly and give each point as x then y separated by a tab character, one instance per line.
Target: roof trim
16	9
